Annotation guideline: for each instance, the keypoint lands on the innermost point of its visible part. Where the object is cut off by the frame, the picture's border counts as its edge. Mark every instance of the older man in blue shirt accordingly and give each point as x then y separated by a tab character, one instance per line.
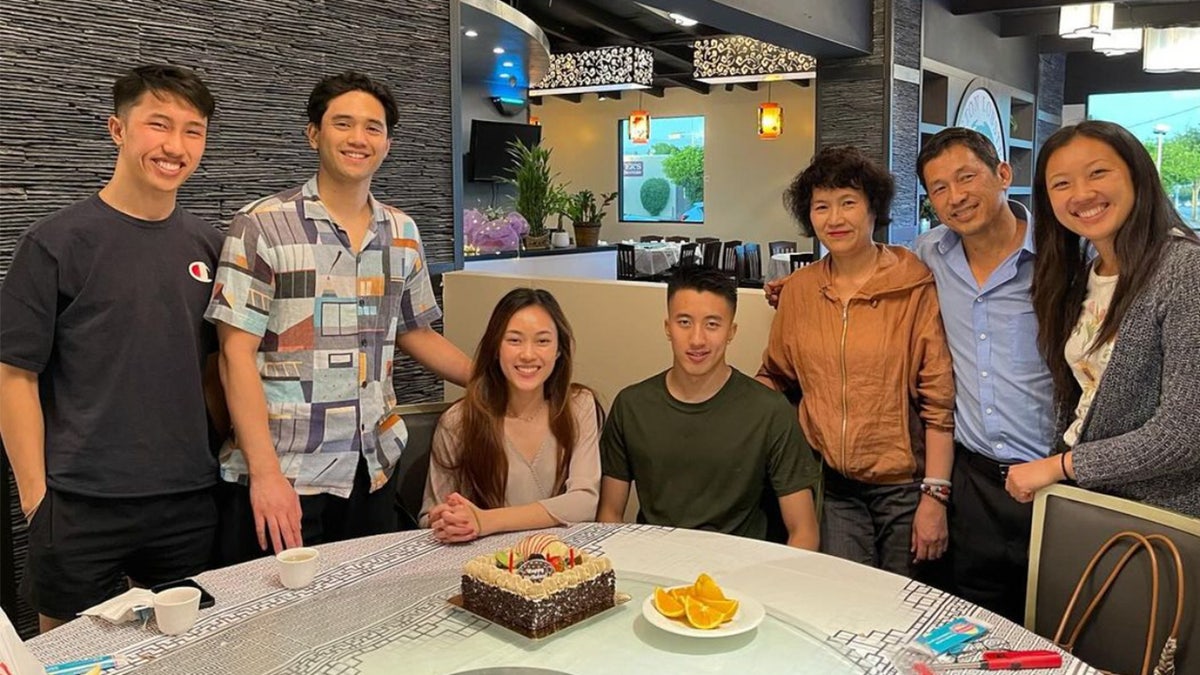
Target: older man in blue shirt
982	260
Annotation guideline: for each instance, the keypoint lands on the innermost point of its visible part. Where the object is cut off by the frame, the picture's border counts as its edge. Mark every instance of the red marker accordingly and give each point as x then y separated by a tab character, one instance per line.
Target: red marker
1005	660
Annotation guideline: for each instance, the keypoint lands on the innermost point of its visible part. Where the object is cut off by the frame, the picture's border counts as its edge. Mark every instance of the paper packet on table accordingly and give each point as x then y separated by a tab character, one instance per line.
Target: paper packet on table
124	607
15	658
948	637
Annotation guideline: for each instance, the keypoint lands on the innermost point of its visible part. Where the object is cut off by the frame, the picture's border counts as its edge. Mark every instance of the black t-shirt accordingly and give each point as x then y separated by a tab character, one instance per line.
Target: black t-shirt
109	311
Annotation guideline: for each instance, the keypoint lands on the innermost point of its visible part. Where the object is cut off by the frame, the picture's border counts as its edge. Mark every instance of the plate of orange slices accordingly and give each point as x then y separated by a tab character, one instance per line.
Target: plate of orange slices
702	609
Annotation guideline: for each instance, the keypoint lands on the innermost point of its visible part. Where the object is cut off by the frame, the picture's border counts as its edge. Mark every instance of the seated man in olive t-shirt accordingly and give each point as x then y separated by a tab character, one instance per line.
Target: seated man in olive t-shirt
702	440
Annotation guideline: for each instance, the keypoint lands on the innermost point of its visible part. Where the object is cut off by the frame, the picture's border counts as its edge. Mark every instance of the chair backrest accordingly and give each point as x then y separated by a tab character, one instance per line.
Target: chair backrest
707	240
651	237
752	269
711	253
625	266
777	247
688	255
408	480
729	255
1069	526
798	260
679	239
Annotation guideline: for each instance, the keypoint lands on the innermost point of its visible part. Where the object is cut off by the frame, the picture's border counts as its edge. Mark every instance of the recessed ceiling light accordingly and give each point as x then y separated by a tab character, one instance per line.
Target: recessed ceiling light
497	50
507	64
471	32
682	20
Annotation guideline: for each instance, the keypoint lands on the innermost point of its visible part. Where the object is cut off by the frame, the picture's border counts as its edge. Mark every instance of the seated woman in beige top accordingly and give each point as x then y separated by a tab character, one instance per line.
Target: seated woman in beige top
520	451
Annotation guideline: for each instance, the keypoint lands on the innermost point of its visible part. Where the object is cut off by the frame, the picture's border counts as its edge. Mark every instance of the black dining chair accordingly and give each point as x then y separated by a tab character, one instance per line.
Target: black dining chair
710	253
707	240
688	254
679	239
408	478
625	262
749	266
798	260
777	247
650	237
729	255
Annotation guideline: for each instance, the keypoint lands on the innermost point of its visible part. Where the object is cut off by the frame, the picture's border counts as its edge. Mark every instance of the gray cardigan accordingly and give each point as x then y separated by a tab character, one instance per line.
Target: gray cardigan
1141	436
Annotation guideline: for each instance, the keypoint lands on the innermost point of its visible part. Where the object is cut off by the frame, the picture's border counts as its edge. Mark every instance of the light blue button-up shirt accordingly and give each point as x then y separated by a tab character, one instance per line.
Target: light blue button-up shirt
1004	397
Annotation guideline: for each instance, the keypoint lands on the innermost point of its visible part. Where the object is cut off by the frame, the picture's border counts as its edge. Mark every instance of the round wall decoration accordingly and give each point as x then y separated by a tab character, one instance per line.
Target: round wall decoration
978	111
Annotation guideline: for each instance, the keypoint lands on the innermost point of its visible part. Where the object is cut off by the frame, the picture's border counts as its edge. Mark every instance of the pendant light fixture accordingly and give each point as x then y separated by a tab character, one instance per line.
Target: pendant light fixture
1120	41
770	118
1085	21
639	124
1172	50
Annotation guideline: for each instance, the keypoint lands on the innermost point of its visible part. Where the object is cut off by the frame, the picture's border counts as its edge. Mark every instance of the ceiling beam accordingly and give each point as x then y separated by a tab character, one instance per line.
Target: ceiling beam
980	6
628	33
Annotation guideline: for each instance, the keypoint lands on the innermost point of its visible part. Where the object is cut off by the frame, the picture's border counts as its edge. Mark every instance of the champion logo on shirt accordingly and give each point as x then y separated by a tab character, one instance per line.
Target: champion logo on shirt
200	272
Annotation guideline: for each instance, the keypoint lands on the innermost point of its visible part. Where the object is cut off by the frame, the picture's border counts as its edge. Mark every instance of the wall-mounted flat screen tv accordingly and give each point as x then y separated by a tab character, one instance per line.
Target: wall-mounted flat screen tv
489	159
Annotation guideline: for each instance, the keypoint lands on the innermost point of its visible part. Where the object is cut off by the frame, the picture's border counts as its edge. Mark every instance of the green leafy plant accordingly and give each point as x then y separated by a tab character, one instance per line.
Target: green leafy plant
926	210
655	193
685	168
581	207
663	149
538	195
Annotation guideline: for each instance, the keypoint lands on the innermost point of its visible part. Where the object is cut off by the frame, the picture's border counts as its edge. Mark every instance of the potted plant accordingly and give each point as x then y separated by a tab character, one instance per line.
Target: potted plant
586	215
537	194
927	216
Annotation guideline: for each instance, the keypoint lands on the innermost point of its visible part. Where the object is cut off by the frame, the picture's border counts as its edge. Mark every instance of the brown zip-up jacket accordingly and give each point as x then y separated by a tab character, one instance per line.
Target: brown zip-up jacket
873	373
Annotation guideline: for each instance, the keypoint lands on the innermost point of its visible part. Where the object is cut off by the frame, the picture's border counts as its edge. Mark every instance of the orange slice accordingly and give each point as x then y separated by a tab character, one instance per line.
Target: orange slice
701	615
681	592
707	589
727	608
667	604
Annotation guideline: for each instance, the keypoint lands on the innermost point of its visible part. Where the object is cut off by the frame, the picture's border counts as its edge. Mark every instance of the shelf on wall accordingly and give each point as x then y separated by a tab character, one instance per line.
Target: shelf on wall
935	98
1022	118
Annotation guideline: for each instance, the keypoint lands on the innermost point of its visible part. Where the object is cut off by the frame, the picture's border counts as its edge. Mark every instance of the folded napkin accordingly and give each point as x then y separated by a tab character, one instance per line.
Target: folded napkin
122	608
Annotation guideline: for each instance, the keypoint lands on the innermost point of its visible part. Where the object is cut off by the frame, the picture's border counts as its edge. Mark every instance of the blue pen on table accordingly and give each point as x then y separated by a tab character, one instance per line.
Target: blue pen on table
84	665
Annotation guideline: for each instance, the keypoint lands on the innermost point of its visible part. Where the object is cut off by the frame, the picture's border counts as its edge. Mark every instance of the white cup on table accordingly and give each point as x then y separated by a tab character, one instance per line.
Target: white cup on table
298	566
176	609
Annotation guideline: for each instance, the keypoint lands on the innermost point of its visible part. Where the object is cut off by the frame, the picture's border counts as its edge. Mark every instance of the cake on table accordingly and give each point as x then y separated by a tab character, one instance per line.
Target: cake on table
539	586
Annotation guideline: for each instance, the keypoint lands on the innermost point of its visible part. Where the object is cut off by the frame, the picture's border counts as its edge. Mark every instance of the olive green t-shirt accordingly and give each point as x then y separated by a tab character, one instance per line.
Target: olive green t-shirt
706	465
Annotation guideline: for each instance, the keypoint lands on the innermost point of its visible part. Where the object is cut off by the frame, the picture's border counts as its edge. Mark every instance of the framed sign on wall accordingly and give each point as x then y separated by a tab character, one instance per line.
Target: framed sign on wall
979	111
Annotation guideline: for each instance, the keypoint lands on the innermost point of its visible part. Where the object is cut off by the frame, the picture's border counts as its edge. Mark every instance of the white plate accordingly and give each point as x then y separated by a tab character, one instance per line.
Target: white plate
750	613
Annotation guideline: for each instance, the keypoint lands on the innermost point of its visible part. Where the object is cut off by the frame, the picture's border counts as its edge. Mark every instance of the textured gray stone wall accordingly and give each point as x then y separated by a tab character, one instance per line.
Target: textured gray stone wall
1052	71
859	103
261	58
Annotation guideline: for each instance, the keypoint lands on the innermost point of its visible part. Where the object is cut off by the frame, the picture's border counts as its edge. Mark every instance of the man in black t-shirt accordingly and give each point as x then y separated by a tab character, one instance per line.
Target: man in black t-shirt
106	364
708	447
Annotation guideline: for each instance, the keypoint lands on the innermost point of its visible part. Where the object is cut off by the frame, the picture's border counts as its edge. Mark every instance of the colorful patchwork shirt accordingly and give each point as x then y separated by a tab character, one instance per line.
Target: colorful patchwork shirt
328	319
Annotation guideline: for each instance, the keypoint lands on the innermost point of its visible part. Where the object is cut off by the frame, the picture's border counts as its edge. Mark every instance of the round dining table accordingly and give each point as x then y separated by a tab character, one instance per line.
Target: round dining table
381	605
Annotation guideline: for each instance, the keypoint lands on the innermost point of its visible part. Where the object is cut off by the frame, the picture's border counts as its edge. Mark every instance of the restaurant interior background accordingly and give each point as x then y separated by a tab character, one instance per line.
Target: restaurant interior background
887	74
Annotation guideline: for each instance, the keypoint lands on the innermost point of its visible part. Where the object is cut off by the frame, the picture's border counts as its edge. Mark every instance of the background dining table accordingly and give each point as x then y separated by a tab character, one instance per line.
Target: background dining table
379	605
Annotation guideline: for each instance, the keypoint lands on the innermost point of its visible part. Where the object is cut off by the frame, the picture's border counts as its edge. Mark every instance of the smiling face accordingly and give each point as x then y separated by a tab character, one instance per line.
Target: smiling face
529	350
842	219
1090	189
161	139
352	140
967	195
700	326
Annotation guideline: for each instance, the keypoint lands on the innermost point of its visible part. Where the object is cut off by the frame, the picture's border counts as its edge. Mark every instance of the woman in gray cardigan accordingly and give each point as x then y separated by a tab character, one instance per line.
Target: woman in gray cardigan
1120	332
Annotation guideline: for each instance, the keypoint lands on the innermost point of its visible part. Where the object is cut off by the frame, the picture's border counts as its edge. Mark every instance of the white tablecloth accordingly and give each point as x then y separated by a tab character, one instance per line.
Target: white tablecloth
654	257
379	606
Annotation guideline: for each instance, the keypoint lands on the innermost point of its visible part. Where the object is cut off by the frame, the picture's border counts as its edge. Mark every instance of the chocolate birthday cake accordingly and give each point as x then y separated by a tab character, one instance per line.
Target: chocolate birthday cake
539	586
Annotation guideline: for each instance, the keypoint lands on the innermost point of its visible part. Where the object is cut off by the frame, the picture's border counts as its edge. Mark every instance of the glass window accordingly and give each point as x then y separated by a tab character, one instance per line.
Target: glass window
662	180
1168	123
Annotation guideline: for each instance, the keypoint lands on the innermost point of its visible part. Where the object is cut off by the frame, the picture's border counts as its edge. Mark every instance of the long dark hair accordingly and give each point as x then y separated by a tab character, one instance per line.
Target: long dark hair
481	467
1061	271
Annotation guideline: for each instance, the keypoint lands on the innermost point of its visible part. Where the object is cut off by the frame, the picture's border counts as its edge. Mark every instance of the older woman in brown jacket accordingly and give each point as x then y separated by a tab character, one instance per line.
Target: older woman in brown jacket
859	334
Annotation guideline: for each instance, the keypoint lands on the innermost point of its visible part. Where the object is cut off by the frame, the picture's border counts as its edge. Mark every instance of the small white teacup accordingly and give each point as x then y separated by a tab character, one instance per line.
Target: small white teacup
298	566
176	609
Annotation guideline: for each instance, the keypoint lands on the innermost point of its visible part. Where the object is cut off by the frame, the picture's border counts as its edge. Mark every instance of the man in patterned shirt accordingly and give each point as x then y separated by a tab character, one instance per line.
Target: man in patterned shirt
316	288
